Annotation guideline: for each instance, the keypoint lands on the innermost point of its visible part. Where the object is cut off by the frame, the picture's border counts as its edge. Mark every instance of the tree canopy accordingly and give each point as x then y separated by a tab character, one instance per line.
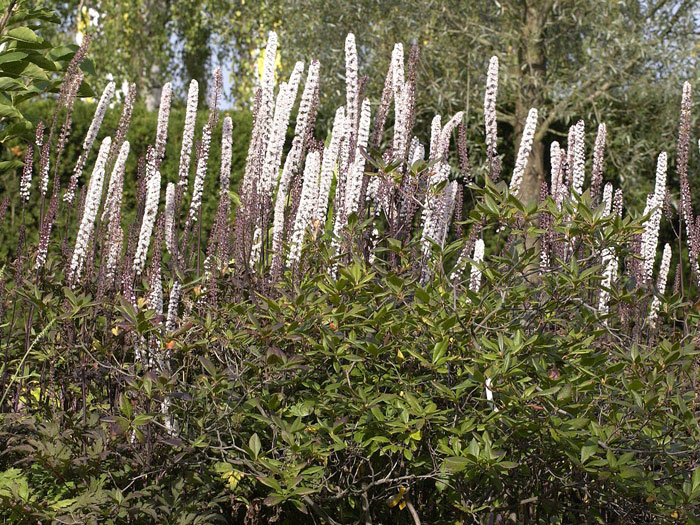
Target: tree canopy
604	61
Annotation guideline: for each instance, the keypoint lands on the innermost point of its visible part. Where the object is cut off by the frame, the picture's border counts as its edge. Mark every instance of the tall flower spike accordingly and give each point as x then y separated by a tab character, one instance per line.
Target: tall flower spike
226	155
166	98
651	230
283	109
330	158
578	158
401	103
39	142
598	153
357	170
302	130
170	218
26	180
555	160
490	122
609	274
305	209
682	154
351	83
149	219
478	258
607	199
523	152
90	137
188	134
267	82
201	173
446	134
173	302
435	129
617	203
116	180
660	283
92	204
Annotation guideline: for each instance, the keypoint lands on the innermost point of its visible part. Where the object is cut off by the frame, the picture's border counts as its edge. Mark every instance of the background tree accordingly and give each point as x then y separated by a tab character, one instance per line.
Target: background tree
619	62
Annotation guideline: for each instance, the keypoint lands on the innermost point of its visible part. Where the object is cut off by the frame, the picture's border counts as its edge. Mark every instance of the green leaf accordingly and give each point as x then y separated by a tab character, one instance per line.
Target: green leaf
208	365
456	463
125	406
439	350
587	451
695	480
254	444
141	420
23	34
12	56
11	84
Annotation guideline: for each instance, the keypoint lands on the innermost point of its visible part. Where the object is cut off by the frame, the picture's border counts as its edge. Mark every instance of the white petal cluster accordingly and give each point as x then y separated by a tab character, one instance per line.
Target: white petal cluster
598	151
256	248
351	83
97	119
44	173
90	137
305	210
268	77
170	218
478	258
188	133
557	173
26	180
446	133
609	275
291	163
154	299
113	198
617	202
166	98
149	219
607	199
660	283
650	237
523	152
173	301
490	106
112	212
435	129
280	122
433	207
357	170
226	156
92	204
578	158
401	92
330	160
438	206
201	173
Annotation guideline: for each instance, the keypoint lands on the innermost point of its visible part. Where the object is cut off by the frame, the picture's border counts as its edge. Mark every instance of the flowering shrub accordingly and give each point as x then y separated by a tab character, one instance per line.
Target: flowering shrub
322	349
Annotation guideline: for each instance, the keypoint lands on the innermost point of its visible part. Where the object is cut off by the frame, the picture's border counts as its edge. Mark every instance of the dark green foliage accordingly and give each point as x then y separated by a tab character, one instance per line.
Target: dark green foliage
359	398
29	64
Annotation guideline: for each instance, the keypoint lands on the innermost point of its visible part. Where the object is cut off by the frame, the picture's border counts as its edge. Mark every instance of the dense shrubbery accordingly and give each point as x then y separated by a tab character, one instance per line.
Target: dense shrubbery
339	348
352	397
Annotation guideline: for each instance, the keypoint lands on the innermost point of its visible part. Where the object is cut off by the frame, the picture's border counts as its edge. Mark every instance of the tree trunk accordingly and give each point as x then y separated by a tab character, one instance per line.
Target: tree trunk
531	72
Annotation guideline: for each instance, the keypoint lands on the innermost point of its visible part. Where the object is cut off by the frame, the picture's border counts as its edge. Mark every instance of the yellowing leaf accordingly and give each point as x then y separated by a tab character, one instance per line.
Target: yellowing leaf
396	499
